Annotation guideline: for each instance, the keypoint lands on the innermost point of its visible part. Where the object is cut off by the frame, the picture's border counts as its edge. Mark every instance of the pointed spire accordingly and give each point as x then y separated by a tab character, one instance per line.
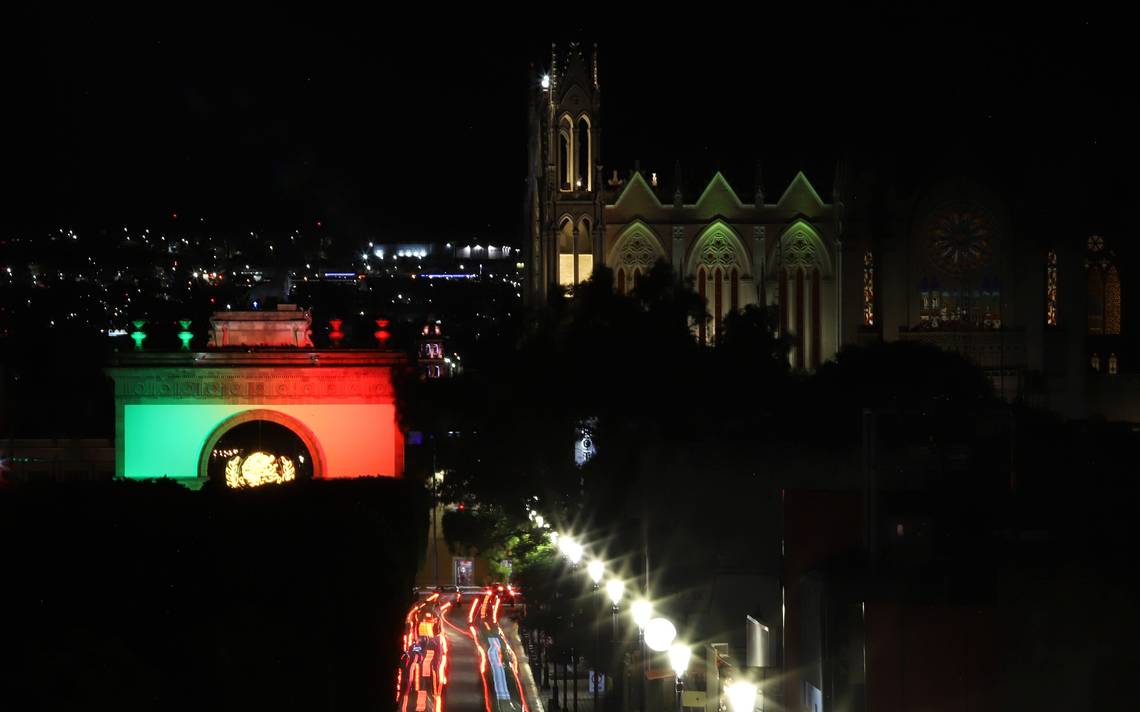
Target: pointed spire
759	200
678	192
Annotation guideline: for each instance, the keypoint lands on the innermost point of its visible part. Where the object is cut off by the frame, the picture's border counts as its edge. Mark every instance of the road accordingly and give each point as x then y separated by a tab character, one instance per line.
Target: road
460	656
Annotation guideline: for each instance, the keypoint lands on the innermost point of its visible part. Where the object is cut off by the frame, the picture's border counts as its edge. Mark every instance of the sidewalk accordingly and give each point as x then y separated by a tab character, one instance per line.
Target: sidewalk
533	695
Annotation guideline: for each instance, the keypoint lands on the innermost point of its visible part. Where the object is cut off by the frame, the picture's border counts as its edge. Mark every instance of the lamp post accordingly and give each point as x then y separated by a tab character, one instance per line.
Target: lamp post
597	570
659	635
642	611
572	551
679	654
741	696
615	589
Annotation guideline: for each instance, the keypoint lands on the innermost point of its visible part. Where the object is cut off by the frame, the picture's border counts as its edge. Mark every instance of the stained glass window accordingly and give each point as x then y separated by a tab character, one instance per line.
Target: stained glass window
1051	288
1103	288
868	289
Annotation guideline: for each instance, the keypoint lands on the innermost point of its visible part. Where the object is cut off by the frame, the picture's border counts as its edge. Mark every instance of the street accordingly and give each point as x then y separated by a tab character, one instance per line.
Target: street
461	656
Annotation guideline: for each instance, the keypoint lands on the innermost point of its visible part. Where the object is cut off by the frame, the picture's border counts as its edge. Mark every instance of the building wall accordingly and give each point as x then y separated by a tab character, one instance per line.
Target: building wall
170	407
166	440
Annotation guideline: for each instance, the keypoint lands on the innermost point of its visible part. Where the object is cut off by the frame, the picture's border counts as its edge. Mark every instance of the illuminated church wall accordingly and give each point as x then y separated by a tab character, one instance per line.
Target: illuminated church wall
173	408
734	254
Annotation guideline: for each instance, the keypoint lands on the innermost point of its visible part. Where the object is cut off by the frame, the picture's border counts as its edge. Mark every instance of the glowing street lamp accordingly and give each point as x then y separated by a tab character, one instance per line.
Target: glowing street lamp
596	569
741	696
545	81
642	611
615	589
659	634
679	655
572	549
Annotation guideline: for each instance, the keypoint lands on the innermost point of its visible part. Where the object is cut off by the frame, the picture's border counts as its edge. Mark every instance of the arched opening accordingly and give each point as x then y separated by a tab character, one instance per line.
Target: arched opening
565	153
584	259
564	160
566	253
801	269
583	157
270	432
256	453
718	313
720	256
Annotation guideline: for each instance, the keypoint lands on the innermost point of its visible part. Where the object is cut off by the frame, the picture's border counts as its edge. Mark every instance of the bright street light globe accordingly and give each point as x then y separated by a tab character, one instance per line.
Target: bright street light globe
596	569
572	549
741	696
642	611
679	655
659	634
615	588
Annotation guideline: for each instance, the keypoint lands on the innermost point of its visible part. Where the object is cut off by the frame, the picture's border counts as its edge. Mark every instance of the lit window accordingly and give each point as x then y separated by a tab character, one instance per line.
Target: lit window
868	289
1051	288
1103	288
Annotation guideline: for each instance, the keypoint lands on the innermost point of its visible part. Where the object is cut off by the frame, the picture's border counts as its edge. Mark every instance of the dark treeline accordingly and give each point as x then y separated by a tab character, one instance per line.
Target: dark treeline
137	596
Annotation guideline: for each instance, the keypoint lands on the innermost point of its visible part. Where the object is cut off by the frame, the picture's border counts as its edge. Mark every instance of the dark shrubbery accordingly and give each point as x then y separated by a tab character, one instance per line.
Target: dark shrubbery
149	596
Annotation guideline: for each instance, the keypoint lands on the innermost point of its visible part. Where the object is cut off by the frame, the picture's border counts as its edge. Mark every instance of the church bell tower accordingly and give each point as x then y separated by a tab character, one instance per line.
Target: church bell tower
566	211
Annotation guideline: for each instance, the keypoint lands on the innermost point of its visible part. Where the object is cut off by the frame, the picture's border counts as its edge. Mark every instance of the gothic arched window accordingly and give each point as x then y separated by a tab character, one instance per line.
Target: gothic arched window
565	153
1103	288
801	265
634	254
582	160
868	289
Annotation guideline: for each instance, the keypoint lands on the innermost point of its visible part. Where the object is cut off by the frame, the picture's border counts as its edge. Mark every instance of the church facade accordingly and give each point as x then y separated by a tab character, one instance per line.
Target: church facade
946	263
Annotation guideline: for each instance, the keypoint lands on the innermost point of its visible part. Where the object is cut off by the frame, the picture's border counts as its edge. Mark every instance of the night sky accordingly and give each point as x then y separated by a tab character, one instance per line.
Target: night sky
388	127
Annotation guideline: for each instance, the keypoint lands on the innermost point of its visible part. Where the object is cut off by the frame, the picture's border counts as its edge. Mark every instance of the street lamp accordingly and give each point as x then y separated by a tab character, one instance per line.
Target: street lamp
679	655
615	589
596	569
571	549
642	611
659	634
741	696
